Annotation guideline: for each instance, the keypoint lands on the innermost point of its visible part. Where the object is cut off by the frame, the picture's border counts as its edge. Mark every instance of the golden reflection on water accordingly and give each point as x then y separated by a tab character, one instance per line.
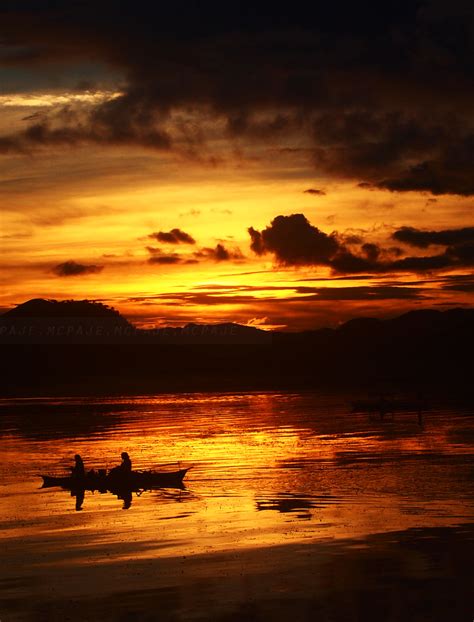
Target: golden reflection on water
267	469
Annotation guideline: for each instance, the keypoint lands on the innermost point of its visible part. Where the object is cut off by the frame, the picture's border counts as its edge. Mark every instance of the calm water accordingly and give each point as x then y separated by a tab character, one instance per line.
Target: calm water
271	473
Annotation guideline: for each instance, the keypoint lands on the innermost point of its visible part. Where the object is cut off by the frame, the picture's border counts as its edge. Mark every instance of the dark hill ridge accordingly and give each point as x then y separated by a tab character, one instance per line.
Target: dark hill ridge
49	350
425	320
39	308
85	321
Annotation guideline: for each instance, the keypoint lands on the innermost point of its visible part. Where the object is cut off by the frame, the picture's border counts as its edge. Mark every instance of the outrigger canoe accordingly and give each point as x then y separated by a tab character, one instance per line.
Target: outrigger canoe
136	480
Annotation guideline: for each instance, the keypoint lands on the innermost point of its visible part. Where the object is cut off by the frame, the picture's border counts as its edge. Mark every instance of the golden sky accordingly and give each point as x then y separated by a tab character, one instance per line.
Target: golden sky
94	174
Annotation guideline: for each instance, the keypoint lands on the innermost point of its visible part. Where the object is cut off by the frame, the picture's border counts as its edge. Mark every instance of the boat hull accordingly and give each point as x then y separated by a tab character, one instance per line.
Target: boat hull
137	480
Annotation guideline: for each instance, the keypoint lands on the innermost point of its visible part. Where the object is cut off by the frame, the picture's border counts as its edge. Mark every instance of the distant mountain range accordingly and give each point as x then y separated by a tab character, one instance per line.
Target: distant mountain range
40	313
84	321
47	308
81	347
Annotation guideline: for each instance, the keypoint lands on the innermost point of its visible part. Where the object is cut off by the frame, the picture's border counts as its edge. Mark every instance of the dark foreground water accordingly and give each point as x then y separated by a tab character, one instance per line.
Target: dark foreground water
294	509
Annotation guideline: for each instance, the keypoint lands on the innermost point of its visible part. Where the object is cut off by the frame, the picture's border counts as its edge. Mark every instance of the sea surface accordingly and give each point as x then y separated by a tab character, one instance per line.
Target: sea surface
291	500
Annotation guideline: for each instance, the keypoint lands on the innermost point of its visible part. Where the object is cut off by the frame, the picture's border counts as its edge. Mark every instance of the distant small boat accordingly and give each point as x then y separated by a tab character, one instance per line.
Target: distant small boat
136	480
383	406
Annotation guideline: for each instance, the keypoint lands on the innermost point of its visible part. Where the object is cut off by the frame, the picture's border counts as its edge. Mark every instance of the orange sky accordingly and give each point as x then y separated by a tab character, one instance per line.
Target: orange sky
98	205
70	196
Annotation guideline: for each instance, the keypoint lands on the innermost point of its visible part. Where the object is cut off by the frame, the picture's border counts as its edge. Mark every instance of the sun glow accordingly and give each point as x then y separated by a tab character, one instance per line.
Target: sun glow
48	100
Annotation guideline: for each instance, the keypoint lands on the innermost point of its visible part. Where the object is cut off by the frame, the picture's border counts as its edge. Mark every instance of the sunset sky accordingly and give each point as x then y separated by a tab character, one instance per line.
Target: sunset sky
205	162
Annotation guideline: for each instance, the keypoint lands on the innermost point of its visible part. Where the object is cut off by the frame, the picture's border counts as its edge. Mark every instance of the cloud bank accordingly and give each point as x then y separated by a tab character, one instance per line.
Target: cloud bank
294	241
353	84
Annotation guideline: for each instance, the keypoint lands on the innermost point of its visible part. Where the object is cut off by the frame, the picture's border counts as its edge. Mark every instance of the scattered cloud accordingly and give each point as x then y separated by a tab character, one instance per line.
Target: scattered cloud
165	259
219	253
175	236
315	191
191	212
158	256
224	210
73	268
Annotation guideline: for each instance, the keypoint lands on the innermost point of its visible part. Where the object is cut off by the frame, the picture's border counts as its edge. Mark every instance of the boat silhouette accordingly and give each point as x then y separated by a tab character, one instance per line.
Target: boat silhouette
123	485
100	480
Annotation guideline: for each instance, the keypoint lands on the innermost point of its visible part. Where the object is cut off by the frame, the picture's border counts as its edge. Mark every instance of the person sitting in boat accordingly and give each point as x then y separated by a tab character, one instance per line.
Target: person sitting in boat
125	467
78	468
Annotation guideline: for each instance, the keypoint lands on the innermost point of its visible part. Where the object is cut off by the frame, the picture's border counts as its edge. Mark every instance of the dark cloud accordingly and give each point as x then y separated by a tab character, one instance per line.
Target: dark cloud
248	294
462	253
158	256
347	262
361	292
219	253
454	257
98	127
422	264
380	148
368	293
175	236
165	259
448	169
459	283
354	83
73	268
294	241
423	239
395	251
351	238
371	251
240	123
315	191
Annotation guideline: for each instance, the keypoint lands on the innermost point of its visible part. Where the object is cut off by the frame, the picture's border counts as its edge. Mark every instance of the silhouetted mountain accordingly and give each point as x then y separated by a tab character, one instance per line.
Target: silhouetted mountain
224	333
361	325
41	308
73	320
81	347
85	321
